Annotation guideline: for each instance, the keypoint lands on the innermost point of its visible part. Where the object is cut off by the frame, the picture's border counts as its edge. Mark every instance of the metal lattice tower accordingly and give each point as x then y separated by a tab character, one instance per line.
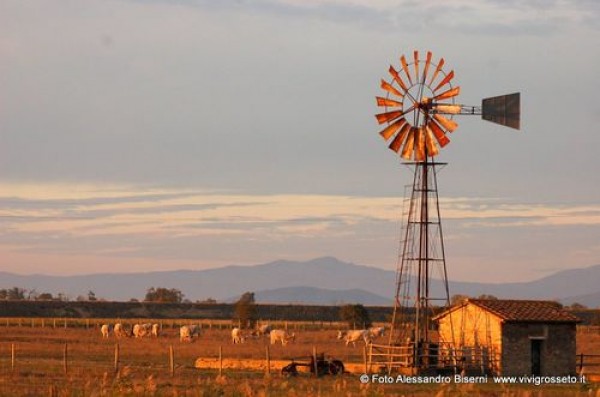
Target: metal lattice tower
419	110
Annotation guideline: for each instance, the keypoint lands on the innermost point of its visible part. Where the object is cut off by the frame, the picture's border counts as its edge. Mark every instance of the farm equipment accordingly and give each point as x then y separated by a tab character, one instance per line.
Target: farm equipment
323	366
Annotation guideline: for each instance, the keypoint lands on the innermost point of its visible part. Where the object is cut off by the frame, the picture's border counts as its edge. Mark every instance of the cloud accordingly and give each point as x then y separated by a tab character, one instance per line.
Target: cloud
162	212
491	17
128	227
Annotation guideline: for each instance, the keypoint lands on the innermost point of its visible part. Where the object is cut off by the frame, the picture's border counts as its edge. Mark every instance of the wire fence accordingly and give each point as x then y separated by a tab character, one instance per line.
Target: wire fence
96	323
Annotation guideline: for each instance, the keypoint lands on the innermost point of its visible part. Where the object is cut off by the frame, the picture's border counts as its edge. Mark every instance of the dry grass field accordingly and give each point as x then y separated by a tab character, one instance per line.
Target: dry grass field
144	367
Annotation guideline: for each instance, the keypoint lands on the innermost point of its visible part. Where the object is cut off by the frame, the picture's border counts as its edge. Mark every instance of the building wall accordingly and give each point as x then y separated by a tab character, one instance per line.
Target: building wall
505	348
476	335
557	352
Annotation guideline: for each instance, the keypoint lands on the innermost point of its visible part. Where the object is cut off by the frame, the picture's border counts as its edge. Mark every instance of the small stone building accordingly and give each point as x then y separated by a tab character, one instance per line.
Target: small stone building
509	337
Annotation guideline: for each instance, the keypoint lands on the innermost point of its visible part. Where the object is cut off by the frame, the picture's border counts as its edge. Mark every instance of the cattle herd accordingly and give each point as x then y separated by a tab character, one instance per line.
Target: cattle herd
238	336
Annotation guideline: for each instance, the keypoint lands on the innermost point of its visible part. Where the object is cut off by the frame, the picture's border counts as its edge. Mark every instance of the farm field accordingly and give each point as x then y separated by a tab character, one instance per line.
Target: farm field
144	366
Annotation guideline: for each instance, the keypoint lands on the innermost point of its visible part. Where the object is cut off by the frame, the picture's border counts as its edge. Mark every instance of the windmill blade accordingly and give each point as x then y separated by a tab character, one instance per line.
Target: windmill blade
397	142
432	149
390	88
437	70
397	78
442	139
387	102
427	63
405	67
445	80
388	116
416	57
391	129
419	144
448	124
447	94
504	110
446	109
409	144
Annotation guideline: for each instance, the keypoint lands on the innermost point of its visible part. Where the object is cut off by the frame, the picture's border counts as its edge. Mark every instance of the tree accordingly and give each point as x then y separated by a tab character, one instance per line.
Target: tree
163	295
245	310
92	296
207	301
458	298
577	306
487	296
16	294
355	316
45	296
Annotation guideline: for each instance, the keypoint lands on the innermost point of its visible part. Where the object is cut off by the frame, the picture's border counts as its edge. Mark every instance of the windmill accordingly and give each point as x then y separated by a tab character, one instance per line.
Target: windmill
419	108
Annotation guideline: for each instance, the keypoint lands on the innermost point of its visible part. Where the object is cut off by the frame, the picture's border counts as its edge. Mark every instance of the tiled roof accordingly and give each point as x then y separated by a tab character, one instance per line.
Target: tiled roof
525	310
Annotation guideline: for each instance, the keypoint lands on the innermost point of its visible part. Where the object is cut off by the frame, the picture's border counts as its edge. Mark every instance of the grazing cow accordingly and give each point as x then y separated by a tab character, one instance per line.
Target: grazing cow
105	329
187	332
281	336
155	330
236	336
354	336
119	331
376	332
141	330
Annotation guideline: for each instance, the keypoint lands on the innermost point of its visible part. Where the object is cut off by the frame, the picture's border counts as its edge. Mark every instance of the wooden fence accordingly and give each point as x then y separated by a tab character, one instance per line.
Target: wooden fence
21	357
589	329
588	364
96	323
439	356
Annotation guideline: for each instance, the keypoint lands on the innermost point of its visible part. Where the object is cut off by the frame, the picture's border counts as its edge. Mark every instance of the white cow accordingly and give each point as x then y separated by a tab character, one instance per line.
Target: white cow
141	330
155	330
105	329
236	336
376	332
119	331
187	332
355	335
280	335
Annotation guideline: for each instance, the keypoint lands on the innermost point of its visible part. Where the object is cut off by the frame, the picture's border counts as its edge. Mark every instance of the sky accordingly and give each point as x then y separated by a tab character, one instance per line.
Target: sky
190	134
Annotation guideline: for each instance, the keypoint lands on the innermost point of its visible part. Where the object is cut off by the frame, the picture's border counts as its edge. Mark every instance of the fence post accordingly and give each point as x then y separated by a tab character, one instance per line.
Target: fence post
12	356
365	358
116	357
268	368
66	359
171	360
220	360
315	364
580	362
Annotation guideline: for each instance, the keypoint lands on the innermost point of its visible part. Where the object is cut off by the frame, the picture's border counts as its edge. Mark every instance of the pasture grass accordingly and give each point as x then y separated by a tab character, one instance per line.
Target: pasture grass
144	367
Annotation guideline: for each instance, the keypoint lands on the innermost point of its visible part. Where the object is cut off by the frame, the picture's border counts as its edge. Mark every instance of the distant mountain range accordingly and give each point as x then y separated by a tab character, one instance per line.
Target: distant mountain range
319	281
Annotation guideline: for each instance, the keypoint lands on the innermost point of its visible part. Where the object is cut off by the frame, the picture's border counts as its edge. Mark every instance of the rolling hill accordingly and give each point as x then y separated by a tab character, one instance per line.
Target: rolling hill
321	281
